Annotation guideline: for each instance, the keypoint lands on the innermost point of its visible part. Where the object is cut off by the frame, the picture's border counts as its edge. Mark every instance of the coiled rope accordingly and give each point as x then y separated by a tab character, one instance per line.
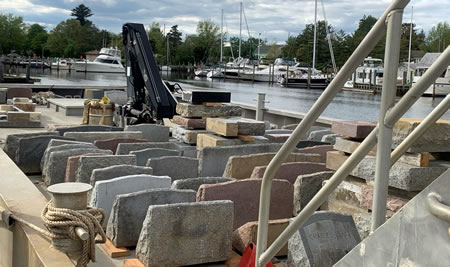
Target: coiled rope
61	224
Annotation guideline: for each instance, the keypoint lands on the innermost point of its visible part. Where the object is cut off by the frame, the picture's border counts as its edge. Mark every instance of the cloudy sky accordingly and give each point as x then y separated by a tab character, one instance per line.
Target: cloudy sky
274	19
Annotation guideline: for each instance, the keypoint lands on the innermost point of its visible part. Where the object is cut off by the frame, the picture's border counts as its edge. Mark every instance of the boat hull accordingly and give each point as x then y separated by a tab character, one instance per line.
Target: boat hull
95	67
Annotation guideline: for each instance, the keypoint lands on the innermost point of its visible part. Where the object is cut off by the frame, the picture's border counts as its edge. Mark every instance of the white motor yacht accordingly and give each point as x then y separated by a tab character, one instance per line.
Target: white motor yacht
62	64
109	60
370	72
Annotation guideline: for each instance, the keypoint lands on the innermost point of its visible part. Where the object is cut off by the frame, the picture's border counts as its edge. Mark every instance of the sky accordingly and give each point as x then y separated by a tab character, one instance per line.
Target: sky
275	20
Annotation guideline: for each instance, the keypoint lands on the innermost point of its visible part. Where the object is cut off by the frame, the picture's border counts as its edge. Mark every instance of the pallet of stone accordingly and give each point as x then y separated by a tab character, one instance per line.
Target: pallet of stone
207	110
235	126
213	140
206	96
113	251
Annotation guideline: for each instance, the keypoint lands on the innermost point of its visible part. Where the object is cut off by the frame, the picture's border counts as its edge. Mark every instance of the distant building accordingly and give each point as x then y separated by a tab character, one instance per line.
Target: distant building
92	55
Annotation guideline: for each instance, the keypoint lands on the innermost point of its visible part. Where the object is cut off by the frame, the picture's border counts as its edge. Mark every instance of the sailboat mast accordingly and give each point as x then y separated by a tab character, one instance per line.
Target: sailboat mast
410	38
240	30
315	34
221	38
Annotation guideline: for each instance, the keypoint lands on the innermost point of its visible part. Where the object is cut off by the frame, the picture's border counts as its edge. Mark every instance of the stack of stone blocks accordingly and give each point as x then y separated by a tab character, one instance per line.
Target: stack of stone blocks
414	171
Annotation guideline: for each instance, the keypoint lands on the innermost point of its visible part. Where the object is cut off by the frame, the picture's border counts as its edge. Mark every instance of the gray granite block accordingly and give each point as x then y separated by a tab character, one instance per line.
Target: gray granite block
142	156
174	166
306	186
86	128
151	132
93	136
186	234
105	192
129	210
118	97
12	142
88	164
55	168
195	183
126	148
115	171
61	145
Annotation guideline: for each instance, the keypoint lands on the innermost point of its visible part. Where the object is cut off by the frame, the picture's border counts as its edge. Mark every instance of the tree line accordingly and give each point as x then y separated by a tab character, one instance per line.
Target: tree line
75	36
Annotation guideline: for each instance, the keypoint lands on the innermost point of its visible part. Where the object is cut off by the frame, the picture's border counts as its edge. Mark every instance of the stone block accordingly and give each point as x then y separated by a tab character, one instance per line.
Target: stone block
317	135
235	126
3	97
213	160
129	210
193	123
393	203
126	148
54	171
104	192
19	92
222	126
151	132
117	96
309	143
185	135
306	186
277	138
350	146
6	108
197	232
30	152
291	170
186	149
323	240
142	156
73	163
51	148
21	100
27	107
245	196
335	159
330	138
93	136
212	140
112	144
195	183
202	96
174	166
115	171
241	167
353	129
320	149
435	139
12	141
247	234
191	110
86	128
88	164
278	131
23	116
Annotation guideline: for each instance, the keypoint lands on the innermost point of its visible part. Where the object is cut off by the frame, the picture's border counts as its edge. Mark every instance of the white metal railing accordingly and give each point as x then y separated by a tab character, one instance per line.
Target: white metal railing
392	114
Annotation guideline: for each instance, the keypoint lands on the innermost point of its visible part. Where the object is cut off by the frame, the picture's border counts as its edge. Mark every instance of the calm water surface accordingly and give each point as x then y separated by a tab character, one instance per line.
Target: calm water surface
346	105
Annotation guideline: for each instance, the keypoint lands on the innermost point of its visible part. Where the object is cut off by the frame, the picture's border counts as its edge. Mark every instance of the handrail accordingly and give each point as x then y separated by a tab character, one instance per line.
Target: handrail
437	208
362	51
405	103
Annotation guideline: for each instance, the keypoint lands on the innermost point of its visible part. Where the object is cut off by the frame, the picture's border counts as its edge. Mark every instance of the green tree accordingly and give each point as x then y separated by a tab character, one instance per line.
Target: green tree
157	41
208	41
12	34
416	40
81	13
365	24
438	38
36	40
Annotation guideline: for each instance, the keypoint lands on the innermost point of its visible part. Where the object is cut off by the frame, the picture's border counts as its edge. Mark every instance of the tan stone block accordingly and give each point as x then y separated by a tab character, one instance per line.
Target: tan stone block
29	107
335	159
24	116
211	140
21	100
6	108
247	234
222	126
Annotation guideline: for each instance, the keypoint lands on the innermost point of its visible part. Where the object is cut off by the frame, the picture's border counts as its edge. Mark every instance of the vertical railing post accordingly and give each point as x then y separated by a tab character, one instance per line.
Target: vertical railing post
260	106
388	94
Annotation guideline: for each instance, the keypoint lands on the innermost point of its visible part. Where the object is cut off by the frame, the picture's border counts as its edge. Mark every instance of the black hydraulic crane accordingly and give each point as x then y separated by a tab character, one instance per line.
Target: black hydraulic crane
150	99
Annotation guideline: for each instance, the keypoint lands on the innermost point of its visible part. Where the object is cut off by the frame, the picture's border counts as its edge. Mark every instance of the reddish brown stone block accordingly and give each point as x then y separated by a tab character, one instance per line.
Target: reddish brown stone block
353	129
290	171
72	166
321	150
190	122
245	196
112	143
393	204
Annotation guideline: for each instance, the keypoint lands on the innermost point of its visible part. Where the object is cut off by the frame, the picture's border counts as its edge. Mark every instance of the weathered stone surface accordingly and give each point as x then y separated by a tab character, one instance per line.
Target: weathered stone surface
197	232
12	142
55	168
212	140
435	139
323	240
277	138
51	148
335	159
30	152
278	131
195	183
306	186
151	132
247	234
320	149
3	98
213	160
142	156
115	171
241	167
393	203
330	138
354	129
317	135
190	110
129	211
112	144
73	164
88	164
235	126
6	107
23	116
93	136
126	148
222	126
174	166
104	192
185	135
291	170
27	107
19	92
350	146
86	128
202	96
117	96
199	123
186	149
245	196
308	143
